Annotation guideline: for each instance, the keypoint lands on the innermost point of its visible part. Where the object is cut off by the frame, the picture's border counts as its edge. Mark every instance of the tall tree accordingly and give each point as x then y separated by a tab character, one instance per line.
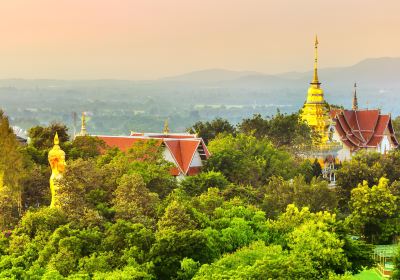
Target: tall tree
42	137
316	195
374	212
364	166
133	201
282	130
244	159
11	169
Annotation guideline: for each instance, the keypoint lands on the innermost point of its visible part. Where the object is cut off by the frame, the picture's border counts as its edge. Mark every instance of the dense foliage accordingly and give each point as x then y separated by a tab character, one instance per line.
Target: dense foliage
257	211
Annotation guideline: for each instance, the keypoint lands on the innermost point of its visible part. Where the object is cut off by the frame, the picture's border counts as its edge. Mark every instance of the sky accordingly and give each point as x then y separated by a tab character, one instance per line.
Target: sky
150	39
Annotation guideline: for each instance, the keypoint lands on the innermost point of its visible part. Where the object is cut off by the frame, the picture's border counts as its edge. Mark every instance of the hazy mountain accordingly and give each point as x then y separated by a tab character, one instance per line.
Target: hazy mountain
121	105
371	71
210	76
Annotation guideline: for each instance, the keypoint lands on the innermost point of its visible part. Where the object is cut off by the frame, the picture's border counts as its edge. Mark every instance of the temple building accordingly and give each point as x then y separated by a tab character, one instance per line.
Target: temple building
186	151
364	129
341	132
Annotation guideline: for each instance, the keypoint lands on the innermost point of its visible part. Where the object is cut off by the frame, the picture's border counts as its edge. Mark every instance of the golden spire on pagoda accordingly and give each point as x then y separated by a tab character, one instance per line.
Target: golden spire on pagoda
315	80
56	159
315	110
166	127
355	100
83	131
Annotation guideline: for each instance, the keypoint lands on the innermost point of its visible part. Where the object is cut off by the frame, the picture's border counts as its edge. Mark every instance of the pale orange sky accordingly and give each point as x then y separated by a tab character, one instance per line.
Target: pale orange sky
132	39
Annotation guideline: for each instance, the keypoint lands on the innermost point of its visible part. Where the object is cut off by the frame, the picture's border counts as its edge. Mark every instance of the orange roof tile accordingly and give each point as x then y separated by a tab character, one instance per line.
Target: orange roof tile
181	147
363	128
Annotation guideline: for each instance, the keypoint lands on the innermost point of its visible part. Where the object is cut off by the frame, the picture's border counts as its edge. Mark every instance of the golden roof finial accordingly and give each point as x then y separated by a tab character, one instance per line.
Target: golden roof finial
56	140
315	80
166	127
355	100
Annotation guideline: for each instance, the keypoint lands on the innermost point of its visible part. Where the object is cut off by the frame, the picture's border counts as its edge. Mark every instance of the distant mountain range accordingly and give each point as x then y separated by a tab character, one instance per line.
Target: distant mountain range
197	95
378	81
372	71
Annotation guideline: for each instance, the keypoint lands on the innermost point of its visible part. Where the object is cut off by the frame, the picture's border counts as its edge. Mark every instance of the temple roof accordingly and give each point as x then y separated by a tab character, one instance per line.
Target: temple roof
181	146
363	128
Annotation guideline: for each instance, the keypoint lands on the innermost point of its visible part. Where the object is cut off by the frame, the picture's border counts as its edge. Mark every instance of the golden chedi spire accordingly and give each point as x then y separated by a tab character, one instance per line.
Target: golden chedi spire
315	93
355	100
56	159
315	80
166	127
315	110
83	131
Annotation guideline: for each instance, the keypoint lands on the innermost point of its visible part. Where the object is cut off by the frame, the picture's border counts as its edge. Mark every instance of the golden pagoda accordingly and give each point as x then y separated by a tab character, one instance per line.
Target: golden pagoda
56	159
315	111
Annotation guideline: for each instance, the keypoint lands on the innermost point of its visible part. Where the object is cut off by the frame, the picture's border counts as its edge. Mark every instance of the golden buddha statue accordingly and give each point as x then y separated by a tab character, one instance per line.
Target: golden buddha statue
315	111
56	159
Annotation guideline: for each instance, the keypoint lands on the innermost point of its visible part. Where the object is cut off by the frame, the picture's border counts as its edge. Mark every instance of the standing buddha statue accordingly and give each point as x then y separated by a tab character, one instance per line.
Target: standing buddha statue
56	159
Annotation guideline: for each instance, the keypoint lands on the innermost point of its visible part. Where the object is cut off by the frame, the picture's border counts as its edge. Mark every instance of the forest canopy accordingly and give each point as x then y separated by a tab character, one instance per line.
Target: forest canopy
256	211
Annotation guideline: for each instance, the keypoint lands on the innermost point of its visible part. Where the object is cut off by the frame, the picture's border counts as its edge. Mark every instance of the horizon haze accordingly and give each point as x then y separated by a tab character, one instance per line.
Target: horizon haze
139	40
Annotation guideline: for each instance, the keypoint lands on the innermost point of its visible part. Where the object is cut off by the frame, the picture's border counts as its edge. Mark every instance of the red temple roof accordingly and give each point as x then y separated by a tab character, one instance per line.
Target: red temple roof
363	128
181	146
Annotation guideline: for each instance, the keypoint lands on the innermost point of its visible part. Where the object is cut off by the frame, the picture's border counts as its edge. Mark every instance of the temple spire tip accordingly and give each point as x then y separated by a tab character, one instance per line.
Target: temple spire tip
355	100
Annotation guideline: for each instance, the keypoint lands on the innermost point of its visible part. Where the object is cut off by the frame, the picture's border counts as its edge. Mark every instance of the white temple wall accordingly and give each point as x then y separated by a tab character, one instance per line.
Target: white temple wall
196	161
344	154
168	156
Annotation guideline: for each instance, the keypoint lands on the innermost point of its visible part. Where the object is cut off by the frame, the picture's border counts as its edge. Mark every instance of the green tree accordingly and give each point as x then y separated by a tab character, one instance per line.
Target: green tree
86	147
281	129
41	137
396	126
258	261
171	247
391	165
11	171
123	236
396	272
127	273
198	184
188	269
247	160
35	186
317	242
133	201
374	212
316	168
176	217
316	195
364	166
209	130
144	158
81	194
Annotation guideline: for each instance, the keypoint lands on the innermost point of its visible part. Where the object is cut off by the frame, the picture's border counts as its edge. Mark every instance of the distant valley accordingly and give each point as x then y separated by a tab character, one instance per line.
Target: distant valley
119	106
